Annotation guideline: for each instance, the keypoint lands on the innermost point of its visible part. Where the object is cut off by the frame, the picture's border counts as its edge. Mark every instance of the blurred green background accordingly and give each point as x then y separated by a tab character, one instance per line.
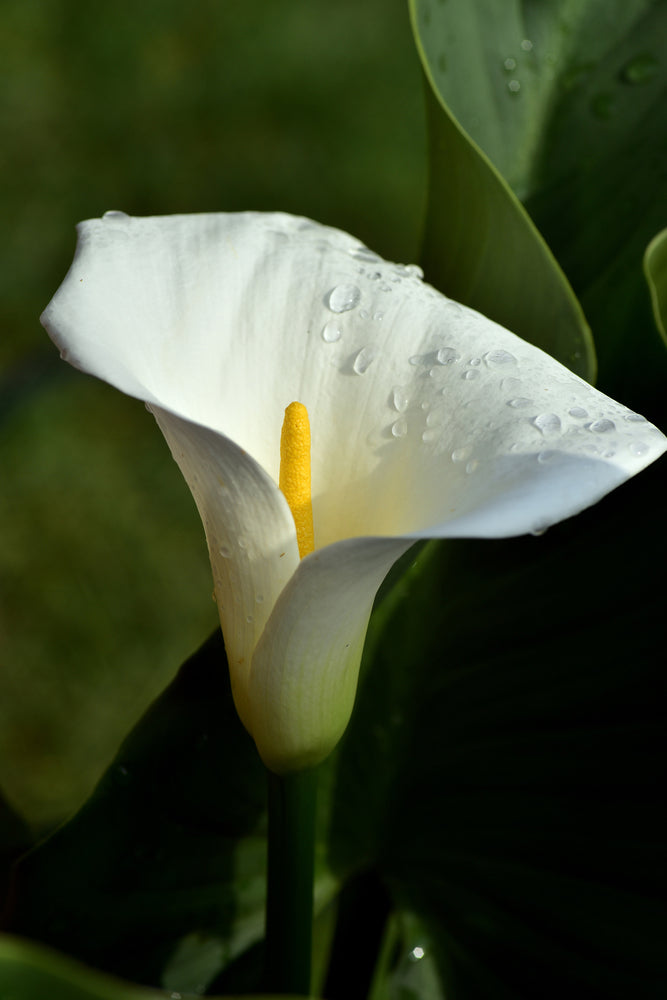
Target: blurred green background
153	108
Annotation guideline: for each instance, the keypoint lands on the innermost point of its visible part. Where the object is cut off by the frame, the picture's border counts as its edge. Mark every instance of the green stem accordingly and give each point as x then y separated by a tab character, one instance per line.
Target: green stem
291	862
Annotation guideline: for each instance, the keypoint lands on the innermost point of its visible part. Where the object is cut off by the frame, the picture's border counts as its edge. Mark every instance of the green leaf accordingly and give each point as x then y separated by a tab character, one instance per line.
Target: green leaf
655	270
161	876
480	246
500	769
582	141
31	972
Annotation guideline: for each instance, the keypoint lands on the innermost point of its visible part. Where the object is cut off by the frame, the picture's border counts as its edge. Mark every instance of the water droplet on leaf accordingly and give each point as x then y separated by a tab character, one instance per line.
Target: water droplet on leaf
642	69
400	398
399	428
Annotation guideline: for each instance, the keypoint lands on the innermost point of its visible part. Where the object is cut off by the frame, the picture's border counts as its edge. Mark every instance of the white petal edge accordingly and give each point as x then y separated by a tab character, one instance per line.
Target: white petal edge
250	535
306	665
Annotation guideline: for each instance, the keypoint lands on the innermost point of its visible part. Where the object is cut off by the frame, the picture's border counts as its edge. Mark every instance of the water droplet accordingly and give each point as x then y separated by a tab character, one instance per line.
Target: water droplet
475	362
546	456
548	423
514	86
249	619
447	356
635	418
471	373
342	298
400	428
527	45
115	216
408	271
416	359
642	69
472	466
602	426
331	332
460	454
400	398
578	411
509	64
363	253
520	402
639	447
495	359
603	106
363	313
416	954
426	405
430	435
242	543
378	317
364	359
434	418
225	551
539	529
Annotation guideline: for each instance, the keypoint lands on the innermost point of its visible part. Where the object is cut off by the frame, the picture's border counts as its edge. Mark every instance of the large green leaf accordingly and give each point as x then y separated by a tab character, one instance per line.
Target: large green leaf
566	99
480	246
160	878
655	269
31	972
502	769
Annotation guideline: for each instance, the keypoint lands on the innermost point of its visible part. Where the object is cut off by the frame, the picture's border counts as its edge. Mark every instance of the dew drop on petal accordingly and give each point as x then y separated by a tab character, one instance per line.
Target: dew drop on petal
499	358
249	619
471	373
602	426
115	216
430	435
639	448
519	402
342	298
472	466
475	362
546	456
460	454
415	360
548	423
225	551
400	398
447	356
635	418
331	332
400	428
578	412
363	253
364	359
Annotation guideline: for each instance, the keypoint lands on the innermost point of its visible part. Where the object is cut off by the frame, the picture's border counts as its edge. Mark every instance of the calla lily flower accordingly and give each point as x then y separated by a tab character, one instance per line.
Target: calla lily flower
427	420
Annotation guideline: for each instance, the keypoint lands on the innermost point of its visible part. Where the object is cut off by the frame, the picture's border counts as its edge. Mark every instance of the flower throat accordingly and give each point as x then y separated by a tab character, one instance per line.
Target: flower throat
294	479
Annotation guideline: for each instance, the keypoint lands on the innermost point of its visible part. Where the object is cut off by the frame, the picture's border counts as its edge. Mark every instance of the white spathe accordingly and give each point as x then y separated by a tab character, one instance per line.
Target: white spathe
428	421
